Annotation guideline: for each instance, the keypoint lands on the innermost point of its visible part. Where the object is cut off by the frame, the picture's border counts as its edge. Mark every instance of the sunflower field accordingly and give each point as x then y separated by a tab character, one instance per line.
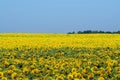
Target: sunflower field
59	56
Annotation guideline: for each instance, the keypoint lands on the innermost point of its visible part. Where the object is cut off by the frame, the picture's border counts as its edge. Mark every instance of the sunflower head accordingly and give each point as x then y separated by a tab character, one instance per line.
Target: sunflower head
73	70
70	77
1	74
4	78
60	78
14	75
101	78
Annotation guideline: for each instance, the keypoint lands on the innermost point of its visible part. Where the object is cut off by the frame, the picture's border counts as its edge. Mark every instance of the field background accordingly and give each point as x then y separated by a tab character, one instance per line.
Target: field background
59	56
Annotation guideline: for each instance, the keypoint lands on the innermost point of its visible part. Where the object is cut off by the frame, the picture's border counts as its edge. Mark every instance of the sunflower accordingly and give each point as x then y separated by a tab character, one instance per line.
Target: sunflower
35	79
70	77
76	79
55	72
4	78
14	75
117	76
0	69
35	71
26	78
73	70
78	75
101	78
25	70
74	74
83	78
117	68
10	72
32	67
6	64
94	69
1	74
59	78
91	76
12	67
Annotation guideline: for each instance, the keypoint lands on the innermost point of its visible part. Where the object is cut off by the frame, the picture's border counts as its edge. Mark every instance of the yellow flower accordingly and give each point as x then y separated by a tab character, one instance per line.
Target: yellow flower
12	67
57	66
84	71
0	69
17	61
74	74
46	66
108	70
1	74
101	78
117	75
94	69
78	75
10	71
35	79
26	79
89	62
91	75
55	72
4	78
117	69
83	78
14	75
32	67
119	65
6	63
73	69
98	72
25	70
35	71
76	79
48	71
59	78
70	77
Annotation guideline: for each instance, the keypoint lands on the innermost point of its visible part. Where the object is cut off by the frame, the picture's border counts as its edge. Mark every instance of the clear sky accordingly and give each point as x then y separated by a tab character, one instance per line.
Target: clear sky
59	16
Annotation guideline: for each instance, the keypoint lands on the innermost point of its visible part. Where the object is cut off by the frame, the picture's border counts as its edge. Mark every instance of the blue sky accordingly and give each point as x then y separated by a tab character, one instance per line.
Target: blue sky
59	16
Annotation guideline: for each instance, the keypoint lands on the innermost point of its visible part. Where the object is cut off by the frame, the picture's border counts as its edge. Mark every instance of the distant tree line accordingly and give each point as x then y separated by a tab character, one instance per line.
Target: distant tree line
94	32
